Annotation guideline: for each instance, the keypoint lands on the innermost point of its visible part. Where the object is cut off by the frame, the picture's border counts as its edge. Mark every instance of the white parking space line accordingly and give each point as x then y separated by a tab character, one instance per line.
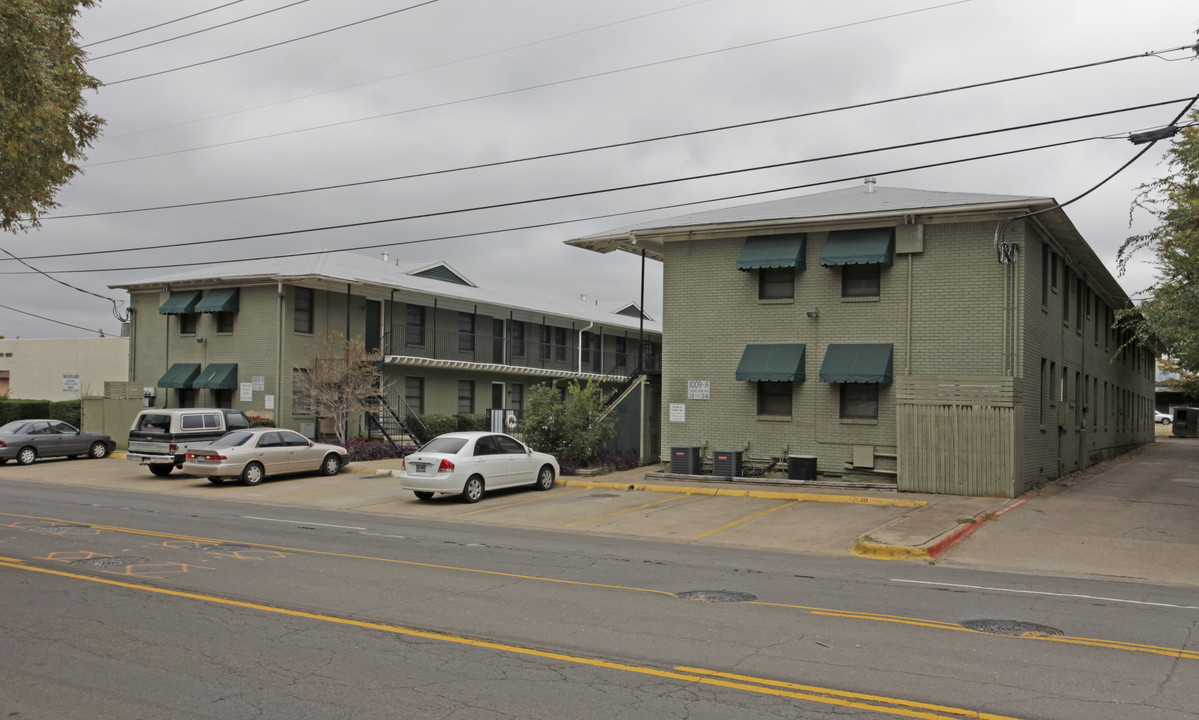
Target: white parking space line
1051	594
301	522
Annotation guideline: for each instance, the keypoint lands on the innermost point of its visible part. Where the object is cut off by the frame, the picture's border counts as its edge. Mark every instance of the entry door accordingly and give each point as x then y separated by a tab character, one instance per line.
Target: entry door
497	396
374	318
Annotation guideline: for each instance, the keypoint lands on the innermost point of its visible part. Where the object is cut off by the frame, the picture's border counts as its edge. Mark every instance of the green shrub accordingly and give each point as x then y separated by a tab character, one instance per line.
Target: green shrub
69	411
24	410
470	423
571	429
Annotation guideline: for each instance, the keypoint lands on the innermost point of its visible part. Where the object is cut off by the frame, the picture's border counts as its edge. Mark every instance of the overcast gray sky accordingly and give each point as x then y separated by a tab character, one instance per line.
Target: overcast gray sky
454	83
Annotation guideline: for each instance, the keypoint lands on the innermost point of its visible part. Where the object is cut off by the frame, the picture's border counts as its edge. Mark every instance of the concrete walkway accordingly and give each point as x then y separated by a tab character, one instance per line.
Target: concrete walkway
1135	517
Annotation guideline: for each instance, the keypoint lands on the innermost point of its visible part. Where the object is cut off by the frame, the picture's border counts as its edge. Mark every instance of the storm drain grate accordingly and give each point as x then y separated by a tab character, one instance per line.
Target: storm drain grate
221	547
108	563
725	596
1011	628
61	528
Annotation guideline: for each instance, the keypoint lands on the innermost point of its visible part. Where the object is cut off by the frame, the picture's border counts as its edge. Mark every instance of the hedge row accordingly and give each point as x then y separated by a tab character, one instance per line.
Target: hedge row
66	410
435	425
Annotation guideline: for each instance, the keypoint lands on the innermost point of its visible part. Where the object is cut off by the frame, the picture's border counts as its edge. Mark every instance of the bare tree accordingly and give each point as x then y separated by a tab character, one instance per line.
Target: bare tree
341	381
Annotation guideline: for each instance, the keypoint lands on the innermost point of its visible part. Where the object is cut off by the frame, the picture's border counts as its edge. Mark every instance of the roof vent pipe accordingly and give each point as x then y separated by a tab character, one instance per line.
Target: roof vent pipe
870	184
385	256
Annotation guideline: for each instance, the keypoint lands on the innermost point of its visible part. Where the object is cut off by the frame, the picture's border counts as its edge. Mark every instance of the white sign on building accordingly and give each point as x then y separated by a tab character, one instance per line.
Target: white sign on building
678	412
259	382
70	383
247	392
699	390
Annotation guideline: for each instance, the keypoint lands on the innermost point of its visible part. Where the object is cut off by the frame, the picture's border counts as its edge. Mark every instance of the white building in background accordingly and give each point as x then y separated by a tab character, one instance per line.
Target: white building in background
61	369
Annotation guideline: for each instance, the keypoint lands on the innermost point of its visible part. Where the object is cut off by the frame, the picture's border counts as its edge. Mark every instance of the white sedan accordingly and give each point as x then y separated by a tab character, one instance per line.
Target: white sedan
470	463
1161	417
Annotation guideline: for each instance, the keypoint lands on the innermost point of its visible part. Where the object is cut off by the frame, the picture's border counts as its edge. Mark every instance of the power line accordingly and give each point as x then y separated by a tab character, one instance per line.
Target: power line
596	148
535	226
272	45
857	106
115	305
60	322
161	24
413	72
197	32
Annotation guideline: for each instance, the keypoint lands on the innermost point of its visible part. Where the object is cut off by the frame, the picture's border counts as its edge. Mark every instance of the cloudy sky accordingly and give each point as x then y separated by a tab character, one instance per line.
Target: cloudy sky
273	97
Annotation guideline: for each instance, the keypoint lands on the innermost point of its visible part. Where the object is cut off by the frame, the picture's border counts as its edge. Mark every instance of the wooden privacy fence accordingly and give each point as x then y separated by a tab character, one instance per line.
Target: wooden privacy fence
958	435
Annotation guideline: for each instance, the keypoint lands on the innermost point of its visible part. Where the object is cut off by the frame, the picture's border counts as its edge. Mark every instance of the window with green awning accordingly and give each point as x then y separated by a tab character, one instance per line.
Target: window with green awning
871	246
180	376
225	300
857	363
774	251
772	363
218	376
180	303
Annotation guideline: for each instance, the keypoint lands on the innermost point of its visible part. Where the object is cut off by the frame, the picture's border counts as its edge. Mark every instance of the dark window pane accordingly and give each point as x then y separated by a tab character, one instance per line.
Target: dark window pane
860	280
859	400
776	283
303	310
774	398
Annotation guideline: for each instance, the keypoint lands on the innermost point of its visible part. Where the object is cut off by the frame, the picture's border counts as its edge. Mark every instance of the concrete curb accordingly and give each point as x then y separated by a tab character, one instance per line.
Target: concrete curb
739	492
935	549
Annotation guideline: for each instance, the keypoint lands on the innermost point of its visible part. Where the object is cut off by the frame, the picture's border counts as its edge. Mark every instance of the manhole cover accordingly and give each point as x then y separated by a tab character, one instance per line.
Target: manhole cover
716	596
1011	628
108	563
61	529
221	547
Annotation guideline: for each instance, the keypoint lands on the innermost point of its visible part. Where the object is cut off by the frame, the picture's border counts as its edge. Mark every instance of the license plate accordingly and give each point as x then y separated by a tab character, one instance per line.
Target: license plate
422	467
199	459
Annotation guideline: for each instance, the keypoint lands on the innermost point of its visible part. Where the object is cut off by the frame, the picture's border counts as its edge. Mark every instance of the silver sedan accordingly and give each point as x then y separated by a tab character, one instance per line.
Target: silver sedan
255	453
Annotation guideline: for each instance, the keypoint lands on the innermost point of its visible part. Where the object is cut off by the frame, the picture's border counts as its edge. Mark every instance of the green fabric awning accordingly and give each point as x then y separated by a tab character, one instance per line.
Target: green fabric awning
180	303
219	301
218	376
774	251
772	363
181	375
866	363
872	246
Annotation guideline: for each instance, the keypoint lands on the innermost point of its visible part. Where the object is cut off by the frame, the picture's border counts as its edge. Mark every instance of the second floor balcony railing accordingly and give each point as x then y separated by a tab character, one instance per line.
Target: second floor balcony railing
610	358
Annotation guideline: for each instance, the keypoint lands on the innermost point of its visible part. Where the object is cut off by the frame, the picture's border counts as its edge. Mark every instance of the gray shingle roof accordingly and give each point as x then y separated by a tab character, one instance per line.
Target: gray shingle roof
346	267
831	204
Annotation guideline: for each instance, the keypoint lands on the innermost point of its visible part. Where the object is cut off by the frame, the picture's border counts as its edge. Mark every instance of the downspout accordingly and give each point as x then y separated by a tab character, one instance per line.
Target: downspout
166	401
579	367
641	319
279	358
349	287
907	362
391	325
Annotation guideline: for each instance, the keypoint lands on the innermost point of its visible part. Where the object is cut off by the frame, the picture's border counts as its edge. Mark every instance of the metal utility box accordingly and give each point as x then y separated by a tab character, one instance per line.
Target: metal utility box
801	467
686	460
727	463
1186	422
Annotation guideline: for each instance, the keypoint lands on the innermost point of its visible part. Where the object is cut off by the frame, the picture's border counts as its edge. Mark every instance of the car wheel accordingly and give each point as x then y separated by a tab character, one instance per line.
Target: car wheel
162	469
216	480
472	491
26	455
98	450
545	478
3	460
252	474
331	465
422	495
1165	421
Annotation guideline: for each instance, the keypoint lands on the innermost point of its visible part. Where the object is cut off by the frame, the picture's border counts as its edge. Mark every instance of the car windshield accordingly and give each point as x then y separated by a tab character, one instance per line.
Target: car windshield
444	445
12	427
232	439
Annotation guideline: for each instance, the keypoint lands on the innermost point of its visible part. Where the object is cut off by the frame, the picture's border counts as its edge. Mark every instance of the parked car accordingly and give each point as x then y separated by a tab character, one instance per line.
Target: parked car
161	437
470	463
1163	418
28	440
253	454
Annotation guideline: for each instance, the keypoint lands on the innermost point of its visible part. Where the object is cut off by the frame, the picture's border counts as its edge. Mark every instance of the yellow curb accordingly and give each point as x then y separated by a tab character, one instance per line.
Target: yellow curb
738	492
878	551
117	454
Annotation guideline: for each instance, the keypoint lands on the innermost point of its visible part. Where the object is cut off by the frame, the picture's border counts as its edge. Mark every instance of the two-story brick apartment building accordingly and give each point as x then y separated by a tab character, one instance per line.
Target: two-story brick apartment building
889	334
238	335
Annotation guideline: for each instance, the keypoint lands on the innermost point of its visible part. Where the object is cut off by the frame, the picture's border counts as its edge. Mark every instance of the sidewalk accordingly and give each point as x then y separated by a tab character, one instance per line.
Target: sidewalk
931	525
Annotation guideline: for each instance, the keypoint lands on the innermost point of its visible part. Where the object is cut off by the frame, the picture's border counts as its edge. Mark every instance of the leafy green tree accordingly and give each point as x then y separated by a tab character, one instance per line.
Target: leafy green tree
1178	380
44	127
572	429
1171	316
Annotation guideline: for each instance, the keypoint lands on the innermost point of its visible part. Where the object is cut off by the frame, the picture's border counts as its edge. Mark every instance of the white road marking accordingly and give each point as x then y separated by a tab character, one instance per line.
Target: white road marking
301	522
1053	594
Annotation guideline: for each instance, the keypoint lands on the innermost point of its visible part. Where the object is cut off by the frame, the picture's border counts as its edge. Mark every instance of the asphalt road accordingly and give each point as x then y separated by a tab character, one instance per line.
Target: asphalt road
126	604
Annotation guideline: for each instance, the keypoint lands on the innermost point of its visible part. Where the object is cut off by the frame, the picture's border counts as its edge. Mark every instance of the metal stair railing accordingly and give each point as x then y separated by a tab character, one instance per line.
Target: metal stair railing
390	424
